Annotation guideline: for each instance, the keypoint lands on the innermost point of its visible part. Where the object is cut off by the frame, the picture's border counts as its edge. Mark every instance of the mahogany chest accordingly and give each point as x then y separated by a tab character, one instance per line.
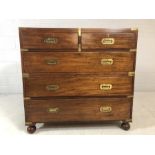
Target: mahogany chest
78	75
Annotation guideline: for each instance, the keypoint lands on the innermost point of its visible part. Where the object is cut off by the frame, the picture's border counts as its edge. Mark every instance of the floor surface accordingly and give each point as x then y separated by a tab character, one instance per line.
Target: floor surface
12	119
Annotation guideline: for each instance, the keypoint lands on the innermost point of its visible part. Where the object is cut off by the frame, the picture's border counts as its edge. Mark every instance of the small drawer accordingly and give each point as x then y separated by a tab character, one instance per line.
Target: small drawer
77	109
109	39
48	38
72	84
99	62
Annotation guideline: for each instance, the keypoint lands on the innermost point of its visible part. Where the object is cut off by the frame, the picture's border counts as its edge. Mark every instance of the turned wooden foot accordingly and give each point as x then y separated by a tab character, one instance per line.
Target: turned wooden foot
125	125
31	129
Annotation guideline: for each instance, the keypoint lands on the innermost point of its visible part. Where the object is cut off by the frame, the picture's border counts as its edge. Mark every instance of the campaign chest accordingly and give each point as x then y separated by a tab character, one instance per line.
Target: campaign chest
78	75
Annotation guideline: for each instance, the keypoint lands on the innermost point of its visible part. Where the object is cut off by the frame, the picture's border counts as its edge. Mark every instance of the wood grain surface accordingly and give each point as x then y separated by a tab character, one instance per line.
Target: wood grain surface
34	38
77	85
77	109
34	62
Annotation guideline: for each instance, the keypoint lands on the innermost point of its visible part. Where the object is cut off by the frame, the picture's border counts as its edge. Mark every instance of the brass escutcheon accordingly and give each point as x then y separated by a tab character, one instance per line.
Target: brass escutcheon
51	40
108	41
107	61
105	86
51	62
52	87
105	109
53	110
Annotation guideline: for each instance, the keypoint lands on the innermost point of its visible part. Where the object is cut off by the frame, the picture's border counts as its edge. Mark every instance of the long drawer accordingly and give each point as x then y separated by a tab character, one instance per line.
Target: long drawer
48	38
54	84
117	61
77	109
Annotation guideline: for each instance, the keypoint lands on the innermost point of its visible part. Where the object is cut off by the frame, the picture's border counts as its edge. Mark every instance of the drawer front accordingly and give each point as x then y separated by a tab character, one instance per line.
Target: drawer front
77	109
44	38
34	62
109	39
39	85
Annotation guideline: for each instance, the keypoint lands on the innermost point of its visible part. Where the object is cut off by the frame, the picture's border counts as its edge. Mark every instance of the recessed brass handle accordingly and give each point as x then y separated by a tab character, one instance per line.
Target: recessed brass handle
105	109
108	41
105	86
51	62
107	61
52	87
51	40
53	110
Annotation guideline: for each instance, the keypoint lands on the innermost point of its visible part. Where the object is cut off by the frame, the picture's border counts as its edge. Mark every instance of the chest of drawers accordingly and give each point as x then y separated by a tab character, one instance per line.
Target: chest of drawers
78	75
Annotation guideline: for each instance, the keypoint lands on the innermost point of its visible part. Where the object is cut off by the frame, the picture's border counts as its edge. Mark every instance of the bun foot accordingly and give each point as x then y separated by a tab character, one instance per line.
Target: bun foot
125	126
31	129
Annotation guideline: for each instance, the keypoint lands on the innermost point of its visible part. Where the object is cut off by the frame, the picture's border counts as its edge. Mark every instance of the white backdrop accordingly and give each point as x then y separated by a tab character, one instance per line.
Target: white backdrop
10	67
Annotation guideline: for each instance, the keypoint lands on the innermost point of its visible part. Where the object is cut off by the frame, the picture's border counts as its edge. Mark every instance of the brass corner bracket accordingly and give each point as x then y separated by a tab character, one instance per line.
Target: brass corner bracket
28	123
131	73
134	29
24	49
79	48
128	120
25	75
130	96
27	98
79	42
79	32
133	50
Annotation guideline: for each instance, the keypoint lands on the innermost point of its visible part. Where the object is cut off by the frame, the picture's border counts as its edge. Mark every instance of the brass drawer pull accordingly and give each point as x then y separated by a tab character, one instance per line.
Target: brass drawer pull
53	110
105	86
51	62
108	41
52	87
107	61
105	109
51	40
